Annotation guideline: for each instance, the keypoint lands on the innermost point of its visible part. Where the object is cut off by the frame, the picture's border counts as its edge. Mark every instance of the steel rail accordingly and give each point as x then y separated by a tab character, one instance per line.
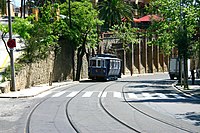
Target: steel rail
28	121
149	116
111	115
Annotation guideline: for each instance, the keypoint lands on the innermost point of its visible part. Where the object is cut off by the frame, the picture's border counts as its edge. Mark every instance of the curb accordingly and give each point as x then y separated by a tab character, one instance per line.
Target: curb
189	94
174	85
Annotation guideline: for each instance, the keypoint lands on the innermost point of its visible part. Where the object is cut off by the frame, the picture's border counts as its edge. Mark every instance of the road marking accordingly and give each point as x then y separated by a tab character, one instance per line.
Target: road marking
87	94
161	95
102	95
117	94
44	94
4	63
72	94
132	95
147	96
177	96
59	94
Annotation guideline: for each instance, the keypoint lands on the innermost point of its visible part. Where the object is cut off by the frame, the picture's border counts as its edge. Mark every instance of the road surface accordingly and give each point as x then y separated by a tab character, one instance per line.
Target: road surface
139	104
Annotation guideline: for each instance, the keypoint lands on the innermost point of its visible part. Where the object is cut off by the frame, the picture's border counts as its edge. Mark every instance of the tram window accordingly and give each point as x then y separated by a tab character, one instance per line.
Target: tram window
103	63
112	64
116	65
92	62
98	63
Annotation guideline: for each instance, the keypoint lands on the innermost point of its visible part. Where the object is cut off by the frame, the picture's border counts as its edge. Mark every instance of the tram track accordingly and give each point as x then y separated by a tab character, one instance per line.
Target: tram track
150	116
28	122
67	109
102	106
113	116
107	111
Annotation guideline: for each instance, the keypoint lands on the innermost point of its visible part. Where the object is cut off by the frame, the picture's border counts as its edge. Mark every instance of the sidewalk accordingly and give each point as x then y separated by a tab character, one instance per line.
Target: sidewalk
194	90
34	91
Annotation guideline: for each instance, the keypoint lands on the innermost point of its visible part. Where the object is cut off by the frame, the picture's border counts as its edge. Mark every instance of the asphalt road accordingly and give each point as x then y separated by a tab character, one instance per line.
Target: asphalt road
145	103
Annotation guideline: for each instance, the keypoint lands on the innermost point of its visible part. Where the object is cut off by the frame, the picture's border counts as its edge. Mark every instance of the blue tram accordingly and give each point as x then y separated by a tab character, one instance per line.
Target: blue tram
104	66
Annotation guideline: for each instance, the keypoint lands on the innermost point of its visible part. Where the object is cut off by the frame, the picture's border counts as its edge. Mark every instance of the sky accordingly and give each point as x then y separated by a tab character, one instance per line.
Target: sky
16	2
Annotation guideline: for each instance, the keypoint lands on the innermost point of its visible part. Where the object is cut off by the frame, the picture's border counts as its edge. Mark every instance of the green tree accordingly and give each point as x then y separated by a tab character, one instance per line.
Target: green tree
126	34
83	32
39	36
112	12
177	28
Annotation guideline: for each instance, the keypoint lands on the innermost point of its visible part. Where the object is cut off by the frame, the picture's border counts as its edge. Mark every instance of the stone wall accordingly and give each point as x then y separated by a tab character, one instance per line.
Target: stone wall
32	74
35	73
62	69
58	65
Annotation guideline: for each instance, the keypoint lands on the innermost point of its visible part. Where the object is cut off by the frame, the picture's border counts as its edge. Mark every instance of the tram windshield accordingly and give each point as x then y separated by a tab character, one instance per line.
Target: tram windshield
92	62
97	63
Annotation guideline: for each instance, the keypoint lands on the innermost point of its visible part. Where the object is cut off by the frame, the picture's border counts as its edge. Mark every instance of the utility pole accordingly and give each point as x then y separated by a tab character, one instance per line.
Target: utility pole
12	86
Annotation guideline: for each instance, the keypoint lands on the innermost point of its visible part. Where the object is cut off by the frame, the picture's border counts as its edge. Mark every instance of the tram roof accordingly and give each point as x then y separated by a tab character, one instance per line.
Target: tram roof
106	55
110	58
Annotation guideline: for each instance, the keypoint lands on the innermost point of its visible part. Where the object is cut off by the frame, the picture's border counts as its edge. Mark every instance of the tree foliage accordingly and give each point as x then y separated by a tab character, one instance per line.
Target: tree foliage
126	34
39	36
179	28
179	22
84	22
82	33
112	12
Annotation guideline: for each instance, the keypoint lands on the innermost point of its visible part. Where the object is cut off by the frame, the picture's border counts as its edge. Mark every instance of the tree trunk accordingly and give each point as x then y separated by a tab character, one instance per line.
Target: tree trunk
80	54
73	65
79	63
185	73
